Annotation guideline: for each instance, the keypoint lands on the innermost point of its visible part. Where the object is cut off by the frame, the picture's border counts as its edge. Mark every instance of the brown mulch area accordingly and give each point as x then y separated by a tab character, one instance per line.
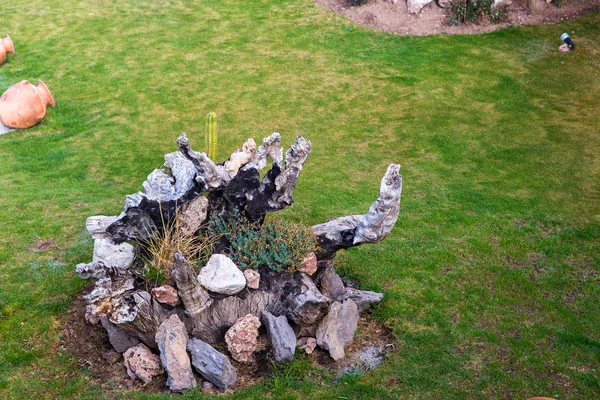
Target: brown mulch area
385	16
90	346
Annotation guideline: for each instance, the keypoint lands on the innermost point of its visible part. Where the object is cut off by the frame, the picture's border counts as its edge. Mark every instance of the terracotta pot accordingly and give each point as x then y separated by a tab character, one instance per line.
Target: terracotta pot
23	105
6	46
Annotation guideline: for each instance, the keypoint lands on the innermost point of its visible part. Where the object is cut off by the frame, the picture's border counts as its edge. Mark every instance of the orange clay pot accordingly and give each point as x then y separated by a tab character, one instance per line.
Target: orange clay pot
23	105
6	46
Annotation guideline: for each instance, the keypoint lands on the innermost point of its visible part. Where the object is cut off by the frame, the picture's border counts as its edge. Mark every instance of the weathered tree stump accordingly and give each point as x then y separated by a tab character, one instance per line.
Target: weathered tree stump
232	189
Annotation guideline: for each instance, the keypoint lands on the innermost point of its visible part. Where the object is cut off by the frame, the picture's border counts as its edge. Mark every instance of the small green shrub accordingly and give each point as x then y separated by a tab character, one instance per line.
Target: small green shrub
470	11
277	244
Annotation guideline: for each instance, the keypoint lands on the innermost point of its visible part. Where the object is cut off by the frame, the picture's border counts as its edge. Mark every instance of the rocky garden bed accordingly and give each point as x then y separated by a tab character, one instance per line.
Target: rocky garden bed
425	17
195	282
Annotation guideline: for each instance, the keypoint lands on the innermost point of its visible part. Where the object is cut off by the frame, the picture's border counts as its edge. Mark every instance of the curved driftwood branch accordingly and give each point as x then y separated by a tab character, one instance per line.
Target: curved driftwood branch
372	227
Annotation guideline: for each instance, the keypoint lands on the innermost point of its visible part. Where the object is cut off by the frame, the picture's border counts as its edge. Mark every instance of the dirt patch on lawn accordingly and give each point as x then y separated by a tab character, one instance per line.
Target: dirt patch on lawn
385	16
90	346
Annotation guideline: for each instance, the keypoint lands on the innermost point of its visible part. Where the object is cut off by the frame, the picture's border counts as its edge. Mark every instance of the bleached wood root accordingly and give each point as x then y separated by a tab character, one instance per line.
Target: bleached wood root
372	227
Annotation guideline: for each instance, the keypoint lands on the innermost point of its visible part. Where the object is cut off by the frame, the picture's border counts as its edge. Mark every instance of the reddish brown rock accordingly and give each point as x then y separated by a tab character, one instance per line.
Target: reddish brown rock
141	363
307	344
166	294
252	278
241	338
309	264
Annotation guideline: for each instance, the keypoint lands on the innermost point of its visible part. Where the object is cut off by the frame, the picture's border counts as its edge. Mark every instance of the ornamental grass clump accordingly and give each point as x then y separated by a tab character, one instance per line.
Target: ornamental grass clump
158	252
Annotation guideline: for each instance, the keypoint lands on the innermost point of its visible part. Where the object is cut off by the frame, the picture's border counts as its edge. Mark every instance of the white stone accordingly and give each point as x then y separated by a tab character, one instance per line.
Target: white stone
499	3
119	256
221	275
415	6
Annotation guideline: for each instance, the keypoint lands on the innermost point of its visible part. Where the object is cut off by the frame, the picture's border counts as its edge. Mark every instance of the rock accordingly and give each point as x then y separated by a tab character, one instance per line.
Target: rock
141	363
337	329
172	339
281	336
118	256
252	278
307	344
91	318
120	340
332	285
363	298
212	365
502	3
111	356
192	215
206	385
309	264
563	48
241	338
166	294
415	6
444	3
221	275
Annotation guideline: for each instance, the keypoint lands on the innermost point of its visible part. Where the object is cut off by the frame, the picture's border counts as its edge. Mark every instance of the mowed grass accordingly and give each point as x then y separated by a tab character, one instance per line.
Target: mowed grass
491	275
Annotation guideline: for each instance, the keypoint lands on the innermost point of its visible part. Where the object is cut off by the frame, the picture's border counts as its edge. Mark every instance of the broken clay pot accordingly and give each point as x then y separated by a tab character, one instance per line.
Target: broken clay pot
23	105
6	46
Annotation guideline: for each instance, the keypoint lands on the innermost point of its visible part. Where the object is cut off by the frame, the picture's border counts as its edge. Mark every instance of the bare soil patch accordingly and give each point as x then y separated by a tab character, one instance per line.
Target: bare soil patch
90	346
384	16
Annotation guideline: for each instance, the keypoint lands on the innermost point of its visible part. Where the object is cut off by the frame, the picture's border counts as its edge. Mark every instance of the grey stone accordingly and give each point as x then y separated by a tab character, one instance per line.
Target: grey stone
332	285
172	339
281	336
336	330
211	364
221	275
120	340
364	299
206	385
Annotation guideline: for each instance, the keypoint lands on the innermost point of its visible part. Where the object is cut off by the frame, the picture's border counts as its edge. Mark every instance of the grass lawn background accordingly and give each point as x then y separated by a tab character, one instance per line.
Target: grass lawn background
491	275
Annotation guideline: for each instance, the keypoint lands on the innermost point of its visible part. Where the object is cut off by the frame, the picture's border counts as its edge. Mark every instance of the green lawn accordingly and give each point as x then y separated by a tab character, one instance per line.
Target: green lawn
491	275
